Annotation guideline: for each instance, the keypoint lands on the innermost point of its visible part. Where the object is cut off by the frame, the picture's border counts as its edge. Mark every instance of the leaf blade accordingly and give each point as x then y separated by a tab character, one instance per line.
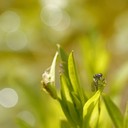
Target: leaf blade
88	108
66	98
74	79
114	112
64	59
126	117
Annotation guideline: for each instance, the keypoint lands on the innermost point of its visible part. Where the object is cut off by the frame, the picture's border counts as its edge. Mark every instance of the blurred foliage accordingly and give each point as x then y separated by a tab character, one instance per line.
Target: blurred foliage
29	30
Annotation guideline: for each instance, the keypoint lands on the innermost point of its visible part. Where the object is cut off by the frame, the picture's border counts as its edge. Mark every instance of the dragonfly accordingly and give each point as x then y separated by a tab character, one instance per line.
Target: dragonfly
98	82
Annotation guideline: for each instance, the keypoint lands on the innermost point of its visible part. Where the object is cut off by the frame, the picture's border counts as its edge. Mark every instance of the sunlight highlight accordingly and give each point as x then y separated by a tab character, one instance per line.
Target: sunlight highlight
8	97
28	117
55	17
16	40
51	15
9	21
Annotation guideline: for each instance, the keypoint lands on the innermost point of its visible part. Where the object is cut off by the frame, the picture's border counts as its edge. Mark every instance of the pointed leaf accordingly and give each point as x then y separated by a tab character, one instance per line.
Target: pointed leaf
74	78
88	108
64	59
72	73
113	111
66	98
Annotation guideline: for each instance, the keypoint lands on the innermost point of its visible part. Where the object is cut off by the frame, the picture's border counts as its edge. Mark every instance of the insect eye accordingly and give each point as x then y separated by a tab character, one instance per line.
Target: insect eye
98	76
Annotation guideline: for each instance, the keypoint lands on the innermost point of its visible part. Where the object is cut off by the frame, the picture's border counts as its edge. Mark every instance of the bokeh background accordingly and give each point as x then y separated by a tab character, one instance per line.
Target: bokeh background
97	31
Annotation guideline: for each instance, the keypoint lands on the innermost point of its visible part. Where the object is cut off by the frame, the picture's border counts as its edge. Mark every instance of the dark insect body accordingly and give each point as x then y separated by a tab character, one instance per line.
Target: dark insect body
97	80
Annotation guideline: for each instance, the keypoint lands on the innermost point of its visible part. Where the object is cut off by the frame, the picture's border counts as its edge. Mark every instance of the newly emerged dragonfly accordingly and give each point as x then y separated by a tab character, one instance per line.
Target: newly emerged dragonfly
98	82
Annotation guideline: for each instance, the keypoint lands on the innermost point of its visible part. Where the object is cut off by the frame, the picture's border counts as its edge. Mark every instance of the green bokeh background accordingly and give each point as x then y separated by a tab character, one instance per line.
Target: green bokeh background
29	30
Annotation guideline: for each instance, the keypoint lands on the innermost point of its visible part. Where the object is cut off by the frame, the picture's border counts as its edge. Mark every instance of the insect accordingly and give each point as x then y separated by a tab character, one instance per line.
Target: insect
98	81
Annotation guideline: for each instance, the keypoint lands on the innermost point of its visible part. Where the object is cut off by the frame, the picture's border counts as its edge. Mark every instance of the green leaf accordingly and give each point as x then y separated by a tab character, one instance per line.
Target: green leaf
64	60
78	106
72	73
88	108
113	111
76	101
66	98
62	53
66	111
126	118
74	78
94	120
64	124
65	90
